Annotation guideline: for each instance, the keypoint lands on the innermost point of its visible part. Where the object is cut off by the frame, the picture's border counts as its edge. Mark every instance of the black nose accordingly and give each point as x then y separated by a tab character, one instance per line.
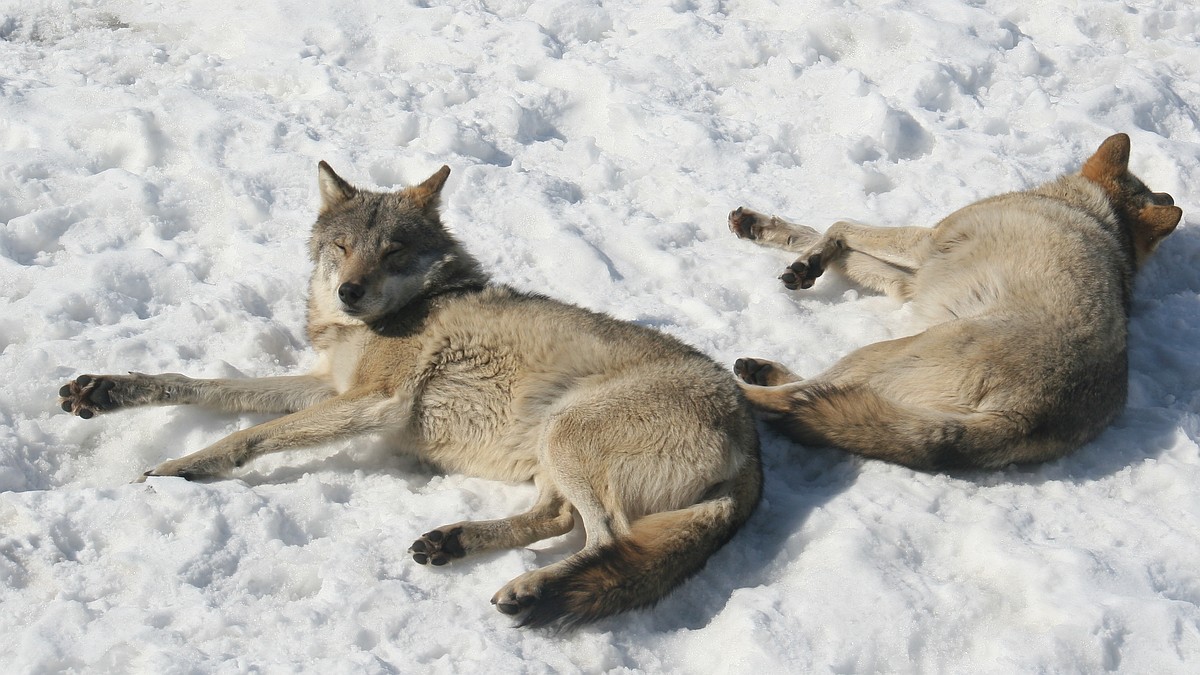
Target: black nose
351	293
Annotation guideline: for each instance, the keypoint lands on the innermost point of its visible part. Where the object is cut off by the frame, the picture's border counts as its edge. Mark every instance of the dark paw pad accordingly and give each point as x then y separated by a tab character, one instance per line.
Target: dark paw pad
802	274
87	396
752	371
438	547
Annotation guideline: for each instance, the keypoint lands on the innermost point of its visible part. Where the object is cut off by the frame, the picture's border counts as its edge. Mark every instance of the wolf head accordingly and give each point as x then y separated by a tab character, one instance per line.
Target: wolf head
1150	216
375	253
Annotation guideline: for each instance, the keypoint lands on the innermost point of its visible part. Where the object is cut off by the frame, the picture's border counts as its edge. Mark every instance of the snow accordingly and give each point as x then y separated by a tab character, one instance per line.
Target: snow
157	182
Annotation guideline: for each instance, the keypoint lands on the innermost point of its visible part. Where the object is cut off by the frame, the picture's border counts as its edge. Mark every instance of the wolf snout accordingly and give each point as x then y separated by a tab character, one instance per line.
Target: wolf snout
350	293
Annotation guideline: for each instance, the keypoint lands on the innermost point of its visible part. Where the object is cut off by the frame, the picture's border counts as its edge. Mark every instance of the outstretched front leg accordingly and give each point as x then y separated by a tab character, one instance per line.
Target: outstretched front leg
91	395
350	414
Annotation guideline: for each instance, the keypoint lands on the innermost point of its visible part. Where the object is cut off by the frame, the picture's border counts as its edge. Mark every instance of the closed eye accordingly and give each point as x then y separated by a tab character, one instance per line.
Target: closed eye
396	256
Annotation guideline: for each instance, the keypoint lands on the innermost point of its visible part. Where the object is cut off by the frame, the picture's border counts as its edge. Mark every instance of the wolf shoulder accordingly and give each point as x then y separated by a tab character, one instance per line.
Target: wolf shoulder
1065	222
1053	254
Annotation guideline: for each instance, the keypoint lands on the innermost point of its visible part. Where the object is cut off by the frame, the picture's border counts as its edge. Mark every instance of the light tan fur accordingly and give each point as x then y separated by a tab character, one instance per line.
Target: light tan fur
641	438
1026	296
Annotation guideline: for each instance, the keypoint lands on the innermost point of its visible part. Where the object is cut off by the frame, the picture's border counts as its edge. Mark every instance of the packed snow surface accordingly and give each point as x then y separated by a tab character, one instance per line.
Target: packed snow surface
157	184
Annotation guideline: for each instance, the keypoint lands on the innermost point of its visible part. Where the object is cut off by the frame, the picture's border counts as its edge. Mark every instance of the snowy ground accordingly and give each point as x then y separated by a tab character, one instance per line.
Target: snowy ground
157	182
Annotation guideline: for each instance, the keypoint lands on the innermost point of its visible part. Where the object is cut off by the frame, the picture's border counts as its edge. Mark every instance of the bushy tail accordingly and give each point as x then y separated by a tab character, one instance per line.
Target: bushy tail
856	418
661	552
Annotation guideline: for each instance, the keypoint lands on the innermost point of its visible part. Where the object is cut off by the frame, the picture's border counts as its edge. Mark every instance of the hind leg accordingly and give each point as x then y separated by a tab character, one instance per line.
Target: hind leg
524	591
776	392
580	471
622	452
550	517
769	385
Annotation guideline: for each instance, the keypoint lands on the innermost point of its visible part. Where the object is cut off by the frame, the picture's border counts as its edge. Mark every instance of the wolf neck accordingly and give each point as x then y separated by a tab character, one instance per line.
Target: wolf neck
1082	193
458	275
459	272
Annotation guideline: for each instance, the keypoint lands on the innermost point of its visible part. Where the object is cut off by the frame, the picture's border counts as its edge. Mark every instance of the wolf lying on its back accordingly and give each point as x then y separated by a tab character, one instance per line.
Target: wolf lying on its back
1028	294
643	437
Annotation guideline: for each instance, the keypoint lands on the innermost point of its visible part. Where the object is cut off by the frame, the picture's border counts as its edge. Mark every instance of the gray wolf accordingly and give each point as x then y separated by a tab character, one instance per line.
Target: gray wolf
1026	297
642	439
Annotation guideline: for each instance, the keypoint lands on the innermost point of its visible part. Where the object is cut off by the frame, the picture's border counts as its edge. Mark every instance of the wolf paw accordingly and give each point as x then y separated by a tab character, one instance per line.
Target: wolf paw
438	547
164	472
752	371
519	594
88	396
803	273
747	224
197	466
763	373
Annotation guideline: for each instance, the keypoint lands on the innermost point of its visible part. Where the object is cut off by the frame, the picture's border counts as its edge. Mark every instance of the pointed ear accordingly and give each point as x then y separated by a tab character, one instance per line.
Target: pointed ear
334	190
435	182
426	194
1110	161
